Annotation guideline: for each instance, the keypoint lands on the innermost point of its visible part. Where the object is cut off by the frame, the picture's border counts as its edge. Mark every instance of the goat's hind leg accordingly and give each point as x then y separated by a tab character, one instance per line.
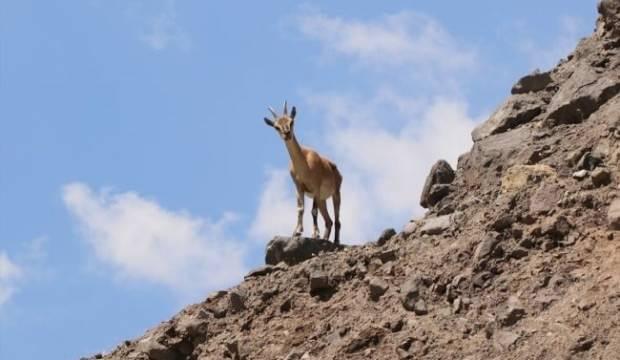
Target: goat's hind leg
336	199
328	221
315	216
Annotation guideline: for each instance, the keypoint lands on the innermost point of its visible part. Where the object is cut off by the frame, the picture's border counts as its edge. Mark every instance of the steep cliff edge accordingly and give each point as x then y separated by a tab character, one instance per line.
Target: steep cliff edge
518	256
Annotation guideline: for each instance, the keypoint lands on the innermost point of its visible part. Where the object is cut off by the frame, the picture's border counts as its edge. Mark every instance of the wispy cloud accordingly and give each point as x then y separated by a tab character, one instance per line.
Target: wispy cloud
141	240
10	273
162	29
403	39
544	57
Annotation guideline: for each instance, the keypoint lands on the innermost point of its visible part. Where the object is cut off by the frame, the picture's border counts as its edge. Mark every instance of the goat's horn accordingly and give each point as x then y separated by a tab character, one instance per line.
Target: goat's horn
285	108
273	112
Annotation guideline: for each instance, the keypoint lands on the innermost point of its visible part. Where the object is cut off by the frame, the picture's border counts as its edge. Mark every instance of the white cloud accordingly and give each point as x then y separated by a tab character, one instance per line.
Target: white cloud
384	169
386	143
9	274
544	57
406	38
142	240
162	29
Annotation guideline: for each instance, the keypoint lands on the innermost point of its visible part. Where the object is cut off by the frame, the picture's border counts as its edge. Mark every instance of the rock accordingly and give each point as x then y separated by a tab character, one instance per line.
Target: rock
518	253
366	338
441	173
437	225
484	250
556	227
518	176
589	161
156	351
419	308
581	174
503	340
293	250
545	199
318	281
533	82
410	228
439	192
262	271
236	301
386	255
583	343
582	94
513	313
600	177
410	293
377	288
613	215
385	236
517	110
503	222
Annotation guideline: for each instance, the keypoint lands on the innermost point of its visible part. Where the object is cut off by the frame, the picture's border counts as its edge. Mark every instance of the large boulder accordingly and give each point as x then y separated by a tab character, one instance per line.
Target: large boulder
517	110
441	174
580	96
533	82
293	250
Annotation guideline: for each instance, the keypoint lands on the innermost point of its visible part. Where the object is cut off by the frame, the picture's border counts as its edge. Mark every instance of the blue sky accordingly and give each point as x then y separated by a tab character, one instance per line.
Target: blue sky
138	175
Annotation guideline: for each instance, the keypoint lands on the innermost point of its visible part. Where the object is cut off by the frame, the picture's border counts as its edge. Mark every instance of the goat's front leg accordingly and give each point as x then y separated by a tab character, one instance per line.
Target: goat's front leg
315	215
299	229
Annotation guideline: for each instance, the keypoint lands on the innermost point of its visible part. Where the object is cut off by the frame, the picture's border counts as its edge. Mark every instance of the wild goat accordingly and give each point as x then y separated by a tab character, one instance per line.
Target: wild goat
313	175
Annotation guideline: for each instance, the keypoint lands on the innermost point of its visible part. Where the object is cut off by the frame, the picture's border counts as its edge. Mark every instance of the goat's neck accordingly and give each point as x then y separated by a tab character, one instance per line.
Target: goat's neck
297	156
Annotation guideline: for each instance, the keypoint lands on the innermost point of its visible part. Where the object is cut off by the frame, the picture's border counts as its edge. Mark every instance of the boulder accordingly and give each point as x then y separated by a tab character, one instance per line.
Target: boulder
580	96
293	250
385	236
613	215
436	225
517	110
533	82
441	173
518	176
377	287
600	177
236	301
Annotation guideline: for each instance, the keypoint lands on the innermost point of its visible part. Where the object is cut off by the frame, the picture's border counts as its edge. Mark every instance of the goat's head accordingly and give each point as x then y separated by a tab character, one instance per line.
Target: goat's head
284	123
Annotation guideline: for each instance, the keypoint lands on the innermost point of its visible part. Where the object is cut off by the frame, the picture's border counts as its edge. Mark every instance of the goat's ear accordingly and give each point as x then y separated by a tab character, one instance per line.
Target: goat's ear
293	112
268	122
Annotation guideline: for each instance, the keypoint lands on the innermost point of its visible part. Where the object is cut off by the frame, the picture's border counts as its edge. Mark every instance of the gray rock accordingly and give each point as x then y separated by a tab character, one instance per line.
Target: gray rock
517	110
613	215
441	173
556	227
512	315
437	225
589	161
601	177
582	94
377	288
410	228
532	83
156	351
236	301
580	175
545	199
419	308
293	250
503	340
318	281
485	249
410	293
385	236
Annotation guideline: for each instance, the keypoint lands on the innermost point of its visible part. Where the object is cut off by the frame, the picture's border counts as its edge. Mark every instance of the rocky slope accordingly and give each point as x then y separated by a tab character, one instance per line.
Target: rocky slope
518	256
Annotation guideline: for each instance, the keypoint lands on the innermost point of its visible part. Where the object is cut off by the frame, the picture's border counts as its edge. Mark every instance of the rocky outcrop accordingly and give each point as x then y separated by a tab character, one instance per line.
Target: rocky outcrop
437	184
293	250
517	257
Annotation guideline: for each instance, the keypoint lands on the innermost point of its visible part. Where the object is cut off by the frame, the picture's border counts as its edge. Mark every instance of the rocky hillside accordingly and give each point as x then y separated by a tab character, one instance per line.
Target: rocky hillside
518	256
